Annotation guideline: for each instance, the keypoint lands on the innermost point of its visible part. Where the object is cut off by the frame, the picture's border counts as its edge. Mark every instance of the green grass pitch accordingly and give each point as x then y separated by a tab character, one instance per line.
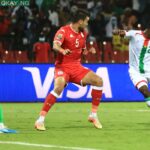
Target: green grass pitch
126	126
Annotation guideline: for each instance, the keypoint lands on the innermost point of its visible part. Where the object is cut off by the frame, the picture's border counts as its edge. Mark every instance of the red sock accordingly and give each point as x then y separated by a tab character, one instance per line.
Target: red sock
49	102
96	97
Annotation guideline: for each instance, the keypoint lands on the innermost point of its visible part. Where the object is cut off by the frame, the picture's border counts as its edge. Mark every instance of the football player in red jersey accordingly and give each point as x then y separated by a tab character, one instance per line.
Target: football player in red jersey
69	42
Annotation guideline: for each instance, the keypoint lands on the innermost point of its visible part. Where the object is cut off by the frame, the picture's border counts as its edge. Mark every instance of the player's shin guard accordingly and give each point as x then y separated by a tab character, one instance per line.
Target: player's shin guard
96	97
49	102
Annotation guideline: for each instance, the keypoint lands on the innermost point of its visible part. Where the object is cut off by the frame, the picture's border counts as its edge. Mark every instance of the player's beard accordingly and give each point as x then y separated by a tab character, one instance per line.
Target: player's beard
81	29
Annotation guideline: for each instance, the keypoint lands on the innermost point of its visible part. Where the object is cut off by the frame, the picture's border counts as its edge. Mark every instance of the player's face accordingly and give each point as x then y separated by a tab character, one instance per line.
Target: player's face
83	23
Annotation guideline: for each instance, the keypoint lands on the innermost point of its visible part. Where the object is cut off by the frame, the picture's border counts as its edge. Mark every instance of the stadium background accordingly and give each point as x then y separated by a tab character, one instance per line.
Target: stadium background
26	76
22	27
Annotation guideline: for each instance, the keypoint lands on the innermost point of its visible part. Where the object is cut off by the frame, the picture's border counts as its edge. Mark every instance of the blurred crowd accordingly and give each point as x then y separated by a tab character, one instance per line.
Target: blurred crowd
22	27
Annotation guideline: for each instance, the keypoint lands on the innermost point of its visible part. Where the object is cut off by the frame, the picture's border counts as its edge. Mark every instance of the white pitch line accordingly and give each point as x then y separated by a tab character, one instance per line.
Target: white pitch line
45	145
143	110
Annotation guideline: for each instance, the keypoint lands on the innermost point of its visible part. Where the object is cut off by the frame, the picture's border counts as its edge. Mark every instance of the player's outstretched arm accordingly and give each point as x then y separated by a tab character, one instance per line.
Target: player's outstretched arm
119	32
57	47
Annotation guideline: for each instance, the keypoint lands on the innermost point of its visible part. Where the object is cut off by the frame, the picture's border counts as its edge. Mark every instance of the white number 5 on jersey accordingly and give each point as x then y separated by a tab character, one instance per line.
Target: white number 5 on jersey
77	43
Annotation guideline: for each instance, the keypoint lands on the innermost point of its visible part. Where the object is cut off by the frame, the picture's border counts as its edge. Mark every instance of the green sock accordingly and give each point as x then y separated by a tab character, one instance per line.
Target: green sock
1	115
147	99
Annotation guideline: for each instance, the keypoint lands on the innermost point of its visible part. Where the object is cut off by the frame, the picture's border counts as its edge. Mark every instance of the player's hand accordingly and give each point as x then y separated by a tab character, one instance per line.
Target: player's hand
115	31
119	32
92	50
67	52
85	52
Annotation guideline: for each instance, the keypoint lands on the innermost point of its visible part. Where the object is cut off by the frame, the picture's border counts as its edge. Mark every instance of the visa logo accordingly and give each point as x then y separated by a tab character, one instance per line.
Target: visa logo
42	89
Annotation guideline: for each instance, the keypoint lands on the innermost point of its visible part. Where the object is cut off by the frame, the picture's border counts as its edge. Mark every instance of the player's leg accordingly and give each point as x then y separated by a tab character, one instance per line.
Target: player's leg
3	128
141	83
50	100
59	85
146	93
97	86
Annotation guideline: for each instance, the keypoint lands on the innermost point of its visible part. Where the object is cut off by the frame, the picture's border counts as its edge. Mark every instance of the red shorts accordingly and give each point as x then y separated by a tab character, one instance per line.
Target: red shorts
72	73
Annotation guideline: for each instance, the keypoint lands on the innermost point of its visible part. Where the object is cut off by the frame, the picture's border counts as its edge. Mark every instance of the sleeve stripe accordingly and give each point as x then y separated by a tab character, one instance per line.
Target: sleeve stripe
62	30
55	41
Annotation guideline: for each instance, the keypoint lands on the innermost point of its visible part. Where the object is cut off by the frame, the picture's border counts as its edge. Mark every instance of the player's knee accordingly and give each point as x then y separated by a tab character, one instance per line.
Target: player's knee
98	82
58	90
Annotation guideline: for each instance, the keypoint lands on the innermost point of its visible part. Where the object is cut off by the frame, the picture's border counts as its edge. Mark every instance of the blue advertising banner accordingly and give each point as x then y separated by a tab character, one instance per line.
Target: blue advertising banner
32	83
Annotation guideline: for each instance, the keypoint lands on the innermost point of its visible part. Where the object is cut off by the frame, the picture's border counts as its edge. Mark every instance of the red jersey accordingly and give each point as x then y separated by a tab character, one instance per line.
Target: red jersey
41	50
74	41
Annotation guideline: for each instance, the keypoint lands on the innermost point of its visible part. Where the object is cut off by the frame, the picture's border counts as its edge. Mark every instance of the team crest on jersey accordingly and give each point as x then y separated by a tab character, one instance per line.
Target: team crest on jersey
60	72
59	36
71	36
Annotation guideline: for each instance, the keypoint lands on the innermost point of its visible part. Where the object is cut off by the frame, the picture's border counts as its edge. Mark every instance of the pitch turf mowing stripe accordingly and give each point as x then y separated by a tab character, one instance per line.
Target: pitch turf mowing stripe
45	145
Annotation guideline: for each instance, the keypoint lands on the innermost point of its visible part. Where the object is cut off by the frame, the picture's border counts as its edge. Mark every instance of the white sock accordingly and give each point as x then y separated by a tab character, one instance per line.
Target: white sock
41	119
148	103
93	114
2	126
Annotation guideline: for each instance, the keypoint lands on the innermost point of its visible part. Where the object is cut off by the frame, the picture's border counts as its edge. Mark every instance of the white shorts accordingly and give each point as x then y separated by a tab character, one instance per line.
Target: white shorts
139	79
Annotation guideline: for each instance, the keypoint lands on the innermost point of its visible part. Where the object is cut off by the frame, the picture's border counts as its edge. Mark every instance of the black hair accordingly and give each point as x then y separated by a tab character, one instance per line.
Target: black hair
148	25
79	15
